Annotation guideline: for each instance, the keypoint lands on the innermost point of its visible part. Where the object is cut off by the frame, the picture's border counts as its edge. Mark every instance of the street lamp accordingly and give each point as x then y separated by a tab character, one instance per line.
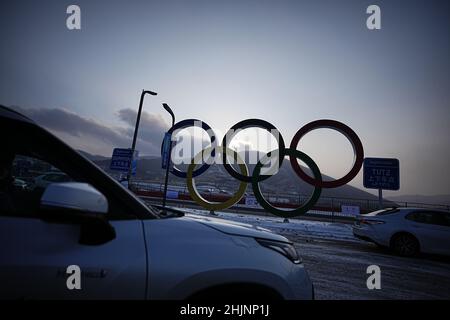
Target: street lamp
167	108
136	128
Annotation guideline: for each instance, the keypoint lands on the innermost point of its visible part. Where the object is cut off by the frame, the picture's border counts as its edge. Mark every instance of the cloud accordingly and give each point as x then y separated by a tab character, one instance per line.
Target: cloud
241	145
95	137
151	127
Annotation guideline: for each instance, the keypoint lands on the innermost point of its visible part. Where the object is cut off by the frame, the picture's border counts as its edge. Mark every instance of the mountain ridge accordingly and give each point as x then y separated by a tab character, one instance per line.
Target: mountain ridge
285	181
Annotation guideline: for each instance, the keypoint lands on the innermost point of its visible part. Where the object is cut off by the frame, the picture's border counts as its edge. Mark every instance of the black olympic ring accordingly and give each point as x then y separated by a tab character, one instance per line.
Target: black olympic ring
212	137
251	123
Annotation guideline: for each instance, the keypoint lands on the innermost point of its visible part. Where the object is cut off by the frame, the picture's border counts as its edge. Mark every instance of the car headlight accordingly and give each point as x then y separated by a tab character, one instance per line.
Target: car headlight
286	249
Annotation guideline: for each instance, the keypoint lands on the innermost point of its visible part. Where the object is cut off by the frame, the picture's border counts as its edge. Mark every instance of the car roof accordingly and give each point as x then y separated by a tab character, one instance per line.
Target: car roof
9	113
401	210
422	209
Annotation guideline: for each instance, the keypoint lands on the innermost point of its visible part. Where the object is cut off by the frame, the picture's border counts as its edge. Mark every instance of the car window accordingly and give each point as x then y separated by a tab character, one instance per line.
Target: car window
51	177
29	179
446	219
31	141
60	178
421	217
430	217
47	177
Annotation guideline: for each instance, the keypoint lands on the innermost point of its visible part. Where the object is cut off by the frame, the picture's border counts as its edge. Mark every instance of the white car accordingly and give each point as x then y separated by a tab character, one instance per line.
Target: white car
408	231
20	184
48	178
124	248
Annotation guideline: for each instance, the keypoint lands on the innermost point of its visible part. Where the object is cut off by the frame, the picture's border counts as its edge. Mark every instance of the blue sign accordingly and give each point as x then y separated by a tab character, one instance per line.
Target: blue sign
121	159
165	157
381	173
172	194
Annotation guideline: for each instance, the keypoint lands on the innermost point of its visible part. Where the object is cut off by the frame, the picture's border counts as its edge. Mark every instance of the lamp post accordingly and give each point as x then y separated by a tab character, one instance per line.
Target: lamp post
167	108
136	128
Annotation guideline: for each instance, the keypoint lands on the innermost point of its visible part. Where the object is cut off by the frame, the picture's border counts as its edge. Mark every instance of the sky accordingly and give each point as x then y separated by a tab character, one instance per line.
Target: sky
287	62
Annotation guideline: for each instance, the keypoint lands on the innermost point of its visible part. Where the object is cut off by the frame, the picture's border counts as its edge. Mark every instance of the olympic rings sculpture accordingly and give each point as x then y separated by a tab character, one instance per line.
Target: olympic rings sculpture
256	177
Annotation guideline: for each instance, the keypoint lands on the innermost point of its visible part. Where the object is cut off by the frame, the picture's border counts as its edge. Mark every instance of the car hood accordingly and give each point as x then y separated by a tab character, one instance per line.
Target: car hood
236	228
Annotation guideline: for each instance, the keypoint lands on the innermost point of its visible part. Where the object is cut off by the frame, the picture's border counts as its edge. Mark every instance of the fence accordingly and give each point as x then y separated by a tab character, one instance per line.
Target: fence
325	206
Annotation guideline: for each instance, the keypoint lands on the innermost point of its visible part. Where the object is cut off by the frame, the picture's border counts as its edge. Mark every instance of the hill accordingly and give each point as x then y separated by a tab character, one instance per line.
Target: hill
284	182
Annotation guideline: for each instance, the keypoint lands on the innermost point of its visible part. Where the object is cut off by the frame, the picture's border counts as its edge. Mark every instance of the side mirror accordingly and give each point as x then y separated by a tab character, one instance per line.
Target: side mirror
78	203
74	196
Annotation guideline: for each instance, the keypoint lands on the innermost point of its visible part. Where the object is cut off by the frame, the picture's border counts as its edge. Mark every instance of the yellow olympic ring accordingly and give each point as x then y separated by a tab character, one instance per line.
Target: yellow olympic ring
195	195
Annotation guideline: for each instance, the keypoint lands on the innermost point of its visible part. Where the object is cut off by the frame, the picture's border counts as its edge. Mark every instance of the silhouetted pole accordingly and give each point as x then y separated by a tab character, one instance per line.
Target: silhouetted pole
136	128
166	180
380	198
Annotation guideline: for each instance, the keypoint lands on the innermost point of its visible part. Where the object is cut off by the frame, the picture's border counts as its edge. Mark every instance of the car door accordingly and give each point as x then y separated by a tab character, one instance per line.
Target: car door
35	254
431	230
442	231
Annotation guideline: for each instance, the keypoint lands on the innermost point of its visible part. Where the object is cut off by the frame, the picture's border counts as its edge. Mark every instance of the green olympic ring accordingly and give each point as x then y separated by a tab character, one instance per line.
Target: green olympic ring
284	213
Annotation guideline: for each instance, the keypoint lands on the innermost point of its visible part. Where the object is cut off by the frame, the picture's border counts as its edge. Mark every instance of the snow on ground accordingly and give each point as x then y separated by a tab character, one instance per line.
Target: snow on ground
302	228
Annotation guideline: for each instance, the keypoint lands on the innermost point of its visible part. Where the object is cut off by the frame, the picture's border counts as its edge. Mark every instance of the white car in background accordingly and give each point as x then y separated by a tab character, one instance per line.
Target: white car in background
44	180
407	231
20	184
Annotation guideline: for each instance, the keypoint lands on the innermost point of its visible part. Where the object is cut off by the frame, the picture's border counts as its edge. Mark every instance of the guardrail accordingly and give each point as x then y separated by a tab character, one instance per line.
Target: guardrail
324	205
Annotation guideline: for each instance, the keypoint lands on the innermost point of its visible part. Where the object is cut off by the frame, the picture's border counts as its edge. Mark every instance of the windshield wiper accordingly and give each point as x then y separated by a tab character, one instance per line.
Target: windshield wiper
168	212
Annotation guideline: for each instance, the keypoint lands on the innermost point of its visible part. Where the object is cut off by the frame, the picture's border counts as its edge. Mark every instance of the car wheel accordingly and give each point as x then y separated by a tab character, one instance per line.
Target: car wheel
405	245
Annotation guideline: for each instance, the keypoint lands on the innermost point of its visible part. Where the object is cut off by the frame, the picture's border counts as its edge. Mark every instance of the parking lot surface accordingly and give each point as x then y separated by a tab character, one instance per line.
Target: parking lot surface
337	262
338	271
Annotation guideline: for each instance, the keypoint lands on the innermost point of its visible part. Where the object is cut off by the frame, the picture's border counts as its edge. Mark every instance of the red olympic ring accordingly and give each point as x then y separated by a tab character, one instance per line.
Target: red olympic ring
348	133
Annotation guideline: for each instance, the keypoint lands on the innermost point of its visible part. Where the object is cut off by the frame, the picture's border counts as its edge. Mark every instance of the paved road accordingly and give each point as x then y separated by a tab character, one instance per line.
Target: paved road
338	270
337	262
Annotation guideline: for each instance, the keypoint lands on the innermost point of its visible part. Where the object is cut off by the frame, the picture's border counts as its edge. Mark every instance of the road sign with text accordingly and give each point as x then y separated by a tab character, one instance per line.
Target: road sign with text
382	173
121	159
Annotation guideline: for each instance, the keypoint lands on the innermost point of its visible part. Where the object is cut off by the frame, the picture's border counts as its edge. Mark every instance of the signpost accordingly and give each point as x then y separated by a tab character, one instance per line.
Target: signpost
121	159
381	174
166	148
136	128
172	194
